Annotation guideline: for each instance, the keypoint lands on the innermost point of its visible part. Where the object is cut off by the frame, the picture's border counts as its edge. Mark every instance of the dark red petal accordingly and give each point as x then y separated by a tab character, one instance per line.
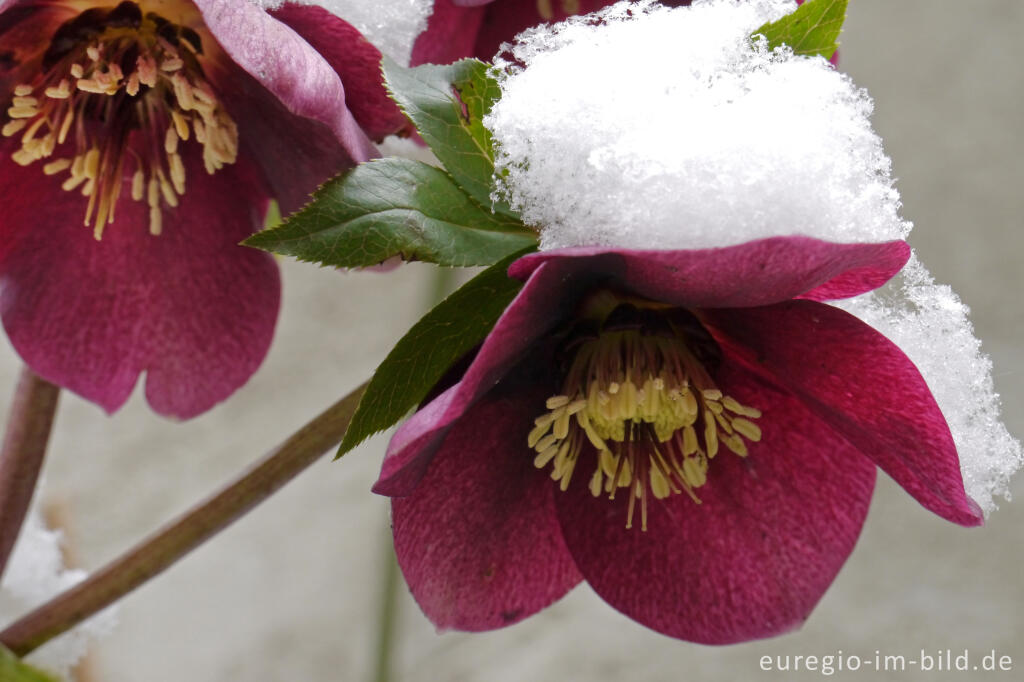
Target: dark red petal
356	60
754	273
478	540
450	35
506	18
753	559
864	387
540	305
287	66
190	307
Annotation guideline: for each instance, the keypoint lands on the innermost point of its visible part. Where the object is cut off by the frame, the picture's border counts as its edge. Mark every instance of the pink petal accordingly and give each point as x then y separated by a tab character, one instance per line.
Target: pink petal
356	60
478	540
863	386
190	307
754	273
753	559
286	65
530	316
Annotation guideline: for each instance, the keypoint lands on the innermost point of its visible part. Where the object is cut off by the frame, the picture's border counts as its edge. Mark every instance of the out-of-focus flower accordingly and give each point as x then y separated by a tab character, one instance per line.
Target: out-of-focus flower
164	126
477	28
711	425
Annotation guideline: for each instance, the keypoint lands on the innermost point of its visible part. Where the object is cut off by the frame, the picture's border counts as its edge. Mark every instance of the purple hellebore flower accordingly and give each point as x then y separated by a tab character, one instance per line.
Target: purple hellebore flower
165	126
709	399
477	28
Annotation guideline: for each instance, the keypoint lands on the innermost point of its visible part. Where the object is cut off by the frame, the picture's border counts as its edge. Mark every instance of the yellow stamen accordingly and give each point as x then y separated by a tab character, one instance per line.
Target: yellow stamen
160	98
649	412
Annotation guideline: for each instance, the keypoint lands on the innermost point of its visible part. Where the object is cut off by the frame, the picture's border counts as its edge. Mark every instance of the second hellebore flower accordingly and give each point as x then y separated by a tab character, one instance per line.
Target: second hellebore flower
711	426
142	142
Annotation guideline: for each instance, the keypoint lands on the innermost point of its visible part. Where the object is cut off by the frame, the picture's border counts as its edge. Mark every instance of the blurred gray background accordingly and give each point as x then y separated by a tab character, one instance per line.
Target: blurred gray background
292	591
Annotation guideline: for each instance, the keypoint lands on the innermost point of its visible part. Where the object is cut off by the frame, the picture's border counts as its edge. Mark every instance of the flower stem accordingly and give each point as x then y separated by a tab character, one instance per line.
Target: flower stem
386	613
21	457
443	282
162	549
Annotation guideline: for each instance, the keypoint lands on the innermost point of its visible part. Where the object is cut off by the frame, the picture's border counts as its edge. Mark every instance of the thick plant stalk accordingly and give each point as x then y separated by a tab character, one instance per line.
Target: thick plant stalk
21	457
169	544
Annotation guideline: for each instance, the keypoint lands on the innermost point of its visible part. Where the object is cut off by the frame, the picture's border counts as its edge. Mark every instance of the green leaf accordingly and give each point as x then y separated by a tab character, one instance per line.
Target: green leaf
13	670
447	104
813	29
423	356
394	207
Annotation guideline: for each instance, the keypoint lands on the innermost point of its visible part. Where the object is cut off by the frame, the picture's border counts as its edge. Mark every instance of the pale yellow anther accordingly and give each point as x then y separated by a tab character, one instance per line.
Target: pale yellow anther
724	422
170	198
710	433
714	406
77	71
543	458
736	444
22	90
545	442
171	140
57	166
177	170
155	221
172	64
576	406
556	401
131	88
689	440
182	91
22	112
87	191
23	157
659	484
13	127
24	101
180	124
561	428
60	91
695	471
93	52
153	193
72	182
747	429
712	394
138	185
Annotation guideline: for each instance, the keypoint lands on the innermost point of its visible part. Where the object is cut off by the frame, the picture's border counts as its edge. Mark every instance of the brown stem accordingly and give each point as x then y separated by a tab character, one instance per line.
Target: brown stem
159	551
21	457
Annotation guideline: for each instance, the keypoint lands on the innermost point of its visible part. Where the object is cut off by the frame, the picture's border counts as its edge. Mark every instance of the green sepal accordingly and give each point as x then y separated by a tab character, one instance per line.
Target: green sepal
394	207
422	357
813	29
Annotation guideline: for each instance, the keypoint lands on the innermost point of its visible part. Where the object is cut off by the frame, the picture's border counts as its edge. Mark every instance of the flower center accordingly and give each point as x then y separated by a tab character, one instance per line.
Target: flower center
637	396
115	91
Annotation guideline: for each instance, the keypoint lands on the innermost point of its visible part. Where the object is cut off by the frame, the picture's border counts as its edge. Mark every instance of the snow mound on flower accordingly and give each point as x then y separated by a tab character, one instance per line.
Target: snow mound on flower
931	325
34	574
391	25
646	126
